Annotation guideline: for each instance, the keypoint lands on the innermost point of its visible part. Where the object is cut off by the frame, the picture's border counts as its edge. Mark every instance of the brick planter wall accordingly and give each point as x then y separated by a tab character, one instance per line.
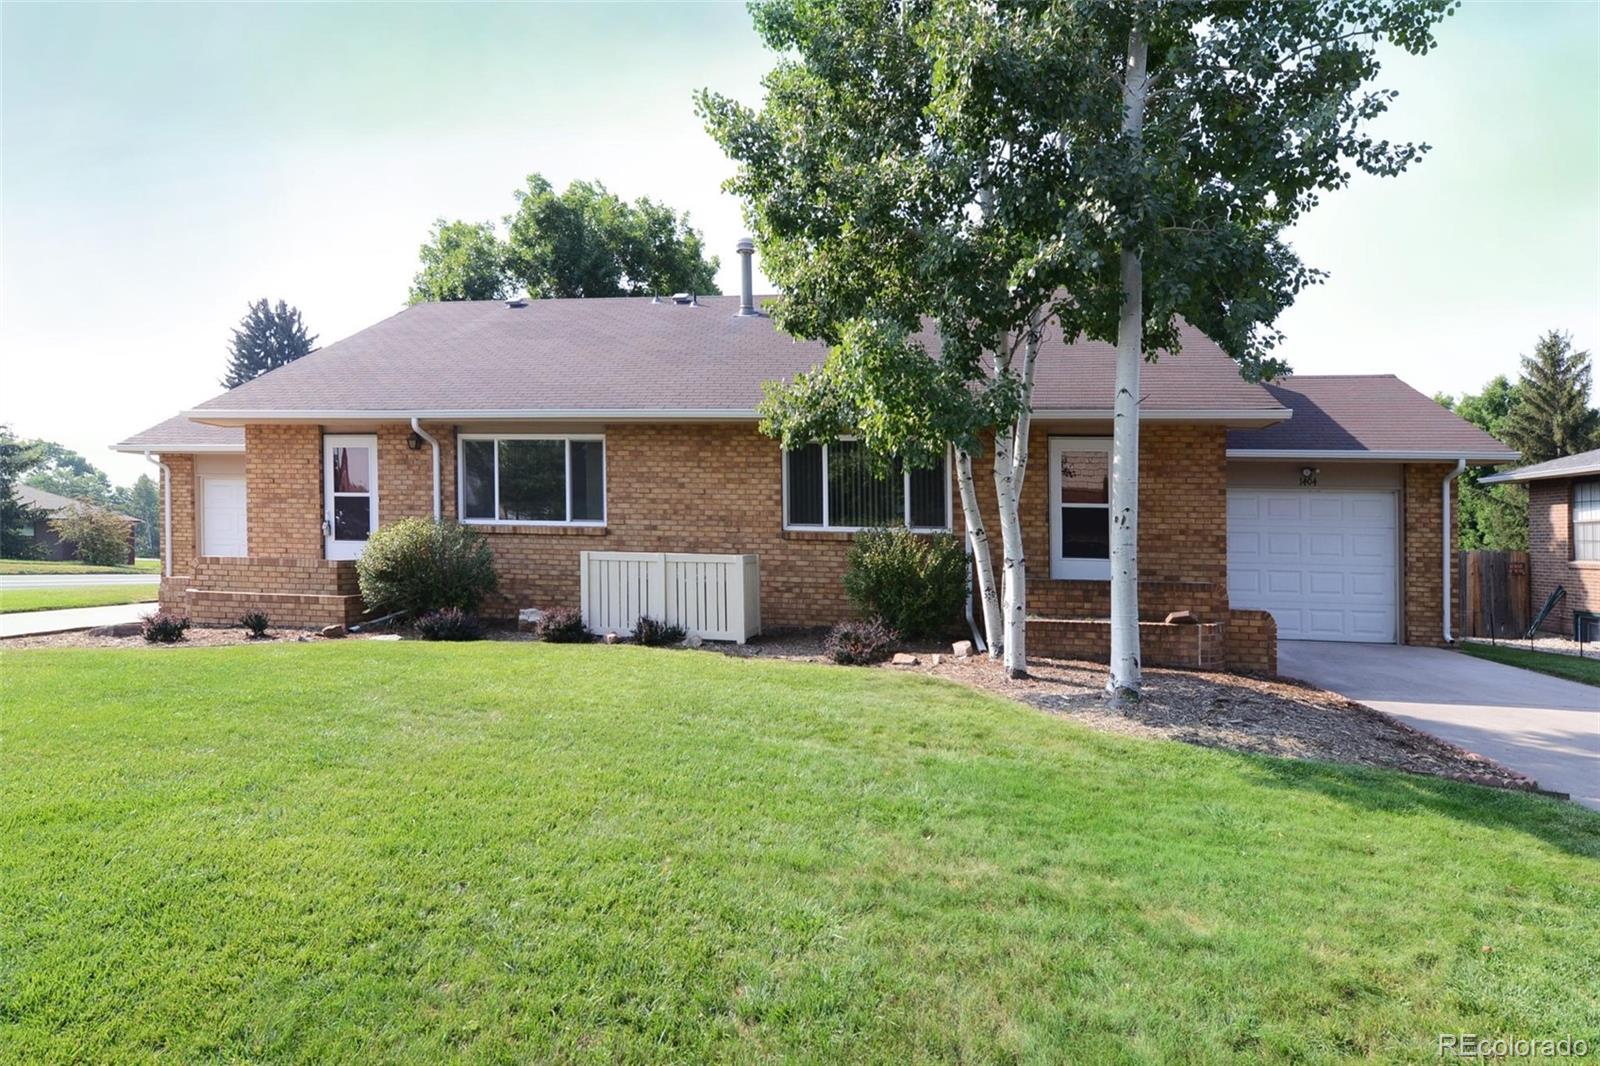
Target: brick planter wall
1252	642
1191	646
293	591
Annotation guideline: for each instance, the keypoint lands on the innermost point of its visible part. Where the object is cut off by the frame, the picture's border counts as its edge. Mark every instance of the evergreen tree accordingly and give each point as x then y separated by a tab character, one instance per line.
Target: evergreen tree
267	337
1490	516
1552	416
142	500
16	457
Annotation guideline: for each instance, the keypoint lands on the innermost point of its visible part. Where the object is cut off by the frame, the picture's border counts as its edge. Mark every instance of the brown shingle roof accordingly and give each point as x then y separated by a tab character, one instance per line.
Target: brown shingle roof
1579	465
1367	415
631	356
55	503
179	434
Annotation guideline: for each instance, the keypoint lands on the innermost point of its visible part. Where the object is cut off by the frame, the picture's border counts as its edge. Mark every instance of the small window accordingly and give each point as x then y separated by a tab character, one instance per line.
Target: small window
837	486
1586	520
532	480
1080	513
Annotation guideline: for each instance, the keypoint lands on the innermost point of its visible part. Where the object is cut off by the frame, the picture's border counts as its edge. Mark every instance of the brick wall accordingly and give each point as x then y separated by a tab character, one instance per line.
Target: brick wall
185	532
1190	646
283	489
1252	642
1550	560
1422	551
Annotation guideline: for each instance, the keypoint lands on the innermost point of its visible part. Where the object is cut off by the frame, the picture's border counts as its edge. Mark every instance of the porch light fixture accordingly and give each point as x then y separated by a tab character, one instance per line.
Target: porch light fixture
1308	475
414	442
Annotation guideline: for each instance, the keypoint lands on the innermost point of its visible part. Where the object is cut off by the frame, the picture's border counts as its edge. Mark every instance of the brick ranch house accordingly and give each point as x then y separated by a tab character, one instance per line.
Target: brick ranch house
1563	539
46	542
1312	509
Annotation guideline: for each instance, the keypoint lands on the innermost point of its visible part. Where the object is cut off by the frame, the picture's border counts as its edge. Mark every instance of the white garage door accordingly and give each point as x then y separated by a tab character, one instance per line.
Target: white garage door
222	530
1322	562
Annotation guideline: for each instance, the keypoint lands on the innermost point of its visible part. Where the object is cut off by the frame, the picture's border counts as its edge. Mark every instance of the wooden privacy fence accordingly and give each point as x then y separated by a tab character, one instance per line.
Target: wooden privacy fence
1494	593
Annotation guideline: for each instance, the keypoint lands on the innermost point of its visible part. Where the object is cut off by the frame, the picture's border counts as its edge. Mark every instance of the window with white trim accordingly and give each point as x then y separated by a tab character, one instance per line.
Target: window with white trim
1080	508
531	479
837	486
1586	520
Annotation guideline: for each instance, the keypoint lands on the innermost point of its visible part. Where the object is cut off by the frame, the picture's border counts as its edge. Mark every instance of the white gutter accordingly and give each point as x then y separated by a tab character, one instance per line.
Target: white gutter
1449	547
416	427
181	449
166	513
221	416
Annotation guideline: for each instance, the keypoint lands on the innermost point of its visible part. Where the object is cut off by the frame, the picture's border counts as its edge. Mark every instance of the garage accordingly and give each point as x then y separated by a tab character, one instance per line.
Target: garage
222	516
1324	563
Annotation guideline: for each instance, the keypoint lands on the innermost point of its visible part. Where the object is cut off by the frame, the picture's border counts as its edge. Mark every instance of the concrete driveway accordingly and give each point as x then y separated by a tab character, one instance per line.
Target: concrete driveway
1543	726
74	581
32	623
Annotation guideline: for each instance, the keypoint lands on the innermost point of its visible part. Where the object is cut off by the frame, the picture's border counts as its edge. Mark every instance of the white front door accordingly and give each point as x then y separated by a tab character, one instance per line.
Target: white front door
1324	563
350	493
222	521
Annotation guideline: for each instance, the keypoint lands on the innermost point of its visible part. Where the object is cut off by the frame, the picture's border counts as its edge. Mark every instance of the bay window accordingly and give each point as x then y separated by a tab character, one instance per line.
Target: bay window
530	479
837	486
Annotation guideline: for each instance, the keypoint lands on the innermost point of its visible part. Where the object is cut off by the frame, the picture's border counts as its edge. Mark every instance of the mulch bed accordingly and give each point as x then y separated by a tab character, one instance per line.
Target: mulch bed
1282	718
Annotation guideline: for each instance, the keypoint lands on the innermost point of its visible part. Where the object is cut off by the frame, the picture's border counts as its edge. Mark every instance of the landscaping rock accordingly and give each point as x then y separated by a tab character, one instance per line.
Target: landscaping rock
332	632
938	660
961	649
902	658
693	640
121	629
387	636
1186	618
611	638
528	619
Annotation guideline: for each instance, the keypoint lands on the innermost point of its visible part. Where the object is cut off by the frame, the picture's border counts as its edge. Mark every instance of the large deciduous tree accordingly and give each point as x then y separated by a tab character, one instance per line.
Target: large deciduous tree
999	169
64	472
461	261
266	338
1552	416
587	241
1489	516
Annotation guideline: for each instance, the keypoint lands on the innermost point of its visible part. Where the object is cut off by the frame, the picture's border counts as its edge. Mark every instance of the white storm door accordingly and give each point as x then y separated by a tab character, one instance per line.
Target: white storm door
1324	563
350	493
223	522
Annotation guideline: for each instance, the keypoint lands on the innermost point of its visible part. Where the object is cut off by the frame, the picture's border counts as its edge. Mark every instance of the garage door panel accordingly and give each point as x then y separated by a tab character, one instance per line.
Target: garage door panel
1324	563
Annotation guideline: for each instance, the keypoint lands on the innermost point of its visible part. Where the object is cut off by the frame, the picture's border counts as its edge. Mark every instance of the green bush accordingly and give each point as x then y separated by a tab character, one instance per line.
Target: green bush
416	566
450	623
100	538
163	628
915	582
256	622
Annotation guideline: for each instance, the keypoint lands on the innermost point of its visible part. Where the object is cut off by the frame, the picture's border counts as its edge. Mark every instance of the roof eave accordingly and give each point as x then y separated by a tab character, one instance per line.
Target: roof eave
131	448
1516	476
1372	455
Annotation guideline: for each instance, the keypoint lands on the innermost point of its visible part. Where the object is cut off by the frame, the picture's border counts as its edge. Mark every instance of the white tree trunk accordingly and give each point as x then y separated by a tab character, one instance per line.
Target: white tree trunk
1124	681
982	560
1010	470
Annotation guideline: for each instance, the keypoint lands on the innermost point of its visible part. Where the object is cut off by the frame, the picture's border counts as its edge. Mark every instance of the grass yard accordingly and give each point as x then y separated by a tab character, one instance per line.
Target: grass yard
364	851
1586	670
49	566
13	601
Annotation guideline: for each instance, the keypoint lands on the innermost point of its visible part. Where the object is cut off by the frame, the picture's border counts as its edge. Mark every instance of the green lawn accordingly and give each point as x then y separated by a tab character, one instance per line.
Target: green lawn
1570	667
47	566
361	851
13	601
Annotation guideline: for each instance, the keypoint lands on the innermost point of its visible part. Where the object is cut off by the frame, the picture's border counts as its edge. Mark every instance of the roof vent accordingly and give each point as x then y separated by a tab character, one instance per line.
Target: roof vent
517	302
686	299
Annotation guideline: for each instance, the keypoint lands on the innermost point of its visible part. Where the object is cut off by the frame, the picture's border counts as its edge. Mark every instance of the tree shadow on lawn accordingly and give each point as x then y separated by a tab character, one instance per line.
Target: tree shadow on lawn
1561	824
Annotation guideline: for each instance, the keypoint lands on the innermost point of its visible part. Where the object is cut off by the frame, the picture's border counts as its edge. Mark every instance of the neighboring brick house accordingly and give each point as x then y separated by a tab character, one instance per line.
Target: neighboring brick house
627	425
1563	539
46	543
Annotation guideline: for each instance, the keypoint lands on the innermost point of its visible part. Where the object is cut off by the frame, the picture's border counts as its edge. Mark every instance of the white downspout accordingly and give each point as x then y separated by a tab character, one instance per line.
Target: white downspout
166	513
416	427
1449	547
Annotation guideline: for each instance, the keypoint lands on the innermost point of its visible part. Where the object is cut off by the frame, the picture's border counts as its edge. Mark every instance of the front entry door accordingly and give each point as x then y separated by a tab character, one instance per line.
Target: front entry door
350	495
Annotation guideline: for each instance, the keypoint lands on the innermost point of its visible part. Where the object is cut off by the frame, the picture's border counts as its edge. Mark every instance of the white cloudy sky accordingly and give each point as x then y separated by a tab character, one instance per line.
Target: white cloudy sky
162	166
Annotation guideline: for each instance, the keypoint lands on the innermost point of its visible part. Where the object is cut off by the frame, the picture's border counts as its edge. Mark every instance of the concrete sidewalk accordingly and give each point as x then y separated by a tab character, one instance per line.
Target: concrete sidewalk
8	582
1545	727
32	623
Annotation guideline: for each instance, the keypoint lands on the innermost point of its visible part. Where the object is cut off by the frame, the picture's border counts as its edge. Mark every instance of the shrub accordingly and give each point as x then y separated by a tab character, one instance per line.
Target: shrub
451	623
857	643
163	628
563	625
915	582
256	622
99	537
417	565
653	634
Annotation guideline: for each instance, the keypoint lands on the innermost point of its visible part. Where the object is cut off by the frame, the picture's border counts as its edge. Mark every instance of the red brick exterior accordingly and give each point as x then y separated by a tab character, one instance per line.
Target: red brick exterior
1192	646
718	488
1422	552
1550	561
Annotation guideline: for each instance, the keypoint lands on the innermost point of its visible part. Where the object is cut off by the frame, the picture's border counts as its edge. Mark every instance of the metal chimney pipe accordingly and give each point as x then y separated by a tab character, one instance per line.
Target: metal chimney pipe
747	300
